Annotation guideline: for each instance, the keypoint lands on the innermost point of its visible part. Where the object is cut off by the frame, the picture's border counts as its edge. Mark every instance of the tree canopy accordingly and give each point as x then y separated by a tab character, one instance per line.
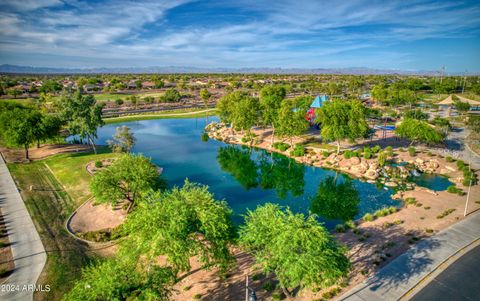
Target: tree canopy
341	119
83	116
297	248
123	140
419	131
291	120
181	223
128	178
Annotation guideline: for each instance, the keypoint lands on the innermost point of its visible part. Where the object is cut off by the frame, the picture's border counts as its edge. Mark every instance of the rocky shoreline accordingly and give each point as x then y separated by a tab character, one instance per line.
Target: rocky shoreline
401	165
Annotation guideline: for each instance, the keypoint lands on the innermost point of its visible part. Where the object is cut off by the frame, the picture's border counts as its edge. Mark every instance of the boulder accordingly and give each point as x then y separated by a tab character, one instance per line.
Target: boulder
391	184
371	174
354	161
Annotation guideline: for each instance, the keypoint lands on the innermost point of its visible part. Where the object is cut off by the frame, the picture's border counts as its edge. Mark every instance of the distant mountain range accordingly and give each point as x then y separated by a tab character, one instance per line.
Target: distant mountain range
6	68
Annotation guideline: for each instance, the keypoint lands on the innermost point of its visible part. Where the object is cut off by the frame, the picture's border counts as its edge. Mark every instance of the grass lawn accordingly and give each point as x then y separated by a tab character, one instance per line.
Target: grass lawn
161	115
70	170
49	205
18	100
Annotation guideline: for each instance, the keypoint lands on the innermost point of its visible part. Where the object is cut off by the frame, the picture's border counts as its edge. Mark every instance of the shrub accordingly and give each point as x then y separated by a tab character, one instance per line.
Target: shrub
98	164
389	151
460	164
385	211
411	201
449	159
298	151
368	217
454	189
340	228
331	293
281	146
350	224
412	151
429	230
367	154
376	148
204	137
382	158
347	154
256	277
119	101
197	296
325	154
269	286
445	213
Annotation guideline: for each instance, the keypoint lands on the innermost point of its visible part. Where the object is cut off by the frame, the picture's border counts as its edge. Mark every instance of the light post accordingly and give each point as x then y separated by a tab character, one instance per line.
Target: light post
249	292
469	187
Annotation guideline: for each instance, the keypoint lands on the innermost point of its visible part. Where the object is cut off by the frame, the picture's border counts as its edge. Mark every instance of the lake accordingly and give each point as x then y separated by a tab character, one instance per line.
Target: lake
244	177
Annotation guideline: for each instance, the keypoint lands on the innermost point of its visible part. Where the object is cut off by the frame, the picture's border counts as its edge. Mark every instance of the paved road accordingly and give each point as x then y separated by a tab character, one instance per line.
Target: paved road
405	272
27	248
460	281
455	143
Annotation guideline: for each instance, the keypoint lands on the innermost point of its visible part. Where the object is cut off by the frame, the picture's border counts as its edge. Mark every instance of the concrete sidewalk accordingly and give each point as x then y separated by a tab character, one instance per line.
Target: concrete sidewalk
400	276
27	248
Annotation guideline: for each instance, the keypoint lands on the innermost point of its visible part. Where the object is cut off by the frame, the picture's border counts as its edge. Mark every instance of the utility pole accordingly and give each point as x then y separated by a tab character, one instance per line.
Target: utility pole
469	187
464	81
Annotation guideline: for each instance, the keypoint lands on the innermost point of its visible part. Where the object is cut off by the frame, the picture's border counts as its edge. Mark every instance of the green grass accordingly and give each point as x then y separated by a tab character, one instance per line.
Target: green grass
161	115
70	170
50	205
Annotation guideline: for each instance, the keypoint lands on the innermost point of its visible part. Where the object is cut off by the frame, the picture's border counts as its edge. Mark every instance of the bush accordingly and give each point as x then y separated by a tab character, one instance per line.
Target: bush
367	153
376	149
325	154
412	151
411	201
204	137
382	158
385	211
331	293
460	164
340	228
98	164
389	151
445	213
368	217
119	101
281	146
449	159
350	224
269	286
454	189
298	151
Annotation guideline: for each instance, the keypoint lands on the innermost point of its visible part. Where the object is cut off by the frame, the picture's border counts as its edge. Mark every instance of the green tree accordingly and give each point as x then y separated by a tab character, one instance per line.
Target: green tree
205	96
246	113
171	95
418	131
297	248
82	115
415	114
271	98
341	119
128	178
123	140
20	127
291	120
461	106
48	128
120	279
179	224
226	106
336	200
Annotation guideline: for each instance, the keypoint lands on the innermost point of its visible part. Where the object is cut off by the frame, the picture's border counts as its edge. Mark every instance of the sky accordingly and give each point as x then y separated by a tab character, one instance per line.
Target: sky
404	35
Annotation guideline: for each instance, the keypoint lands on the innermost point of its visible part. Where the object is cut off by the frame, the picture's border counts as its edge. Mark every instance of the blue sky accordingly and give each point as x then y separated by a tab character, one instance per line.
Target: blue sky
407	35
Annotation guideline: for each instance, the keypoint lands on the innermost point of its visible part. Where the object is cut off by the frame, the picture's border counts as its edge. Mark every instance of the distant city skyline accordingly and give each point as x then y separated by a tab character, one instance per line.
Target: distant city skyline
403	35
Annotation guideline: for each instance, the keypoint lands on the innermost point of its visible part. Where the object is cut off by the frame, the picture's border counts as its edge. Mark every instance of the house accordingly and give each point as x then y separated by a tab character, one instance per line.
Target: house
148	85
132	84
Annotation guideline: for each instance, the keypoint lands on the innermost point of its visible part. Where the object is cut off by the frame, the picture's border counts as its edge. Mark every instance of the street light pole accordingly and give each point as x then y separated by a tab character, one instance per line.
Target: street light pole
469	187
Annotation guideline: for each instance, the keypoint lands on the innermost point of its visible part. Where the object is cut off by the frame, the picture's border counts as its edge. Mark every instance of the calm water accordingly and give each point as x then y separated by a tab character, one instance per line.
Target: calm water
244	178
433	182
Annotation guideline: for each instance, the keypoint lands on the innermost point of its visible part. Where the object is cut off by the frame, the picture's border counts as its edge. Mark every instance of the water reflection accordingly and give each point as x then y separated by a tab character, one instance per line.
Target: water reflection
268	171
336	199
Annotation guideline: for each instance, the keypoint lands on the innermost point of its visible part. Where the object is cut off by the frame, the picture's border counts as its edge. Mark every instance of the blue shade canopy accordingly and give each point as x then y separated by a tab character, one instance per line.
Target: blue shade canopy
318	101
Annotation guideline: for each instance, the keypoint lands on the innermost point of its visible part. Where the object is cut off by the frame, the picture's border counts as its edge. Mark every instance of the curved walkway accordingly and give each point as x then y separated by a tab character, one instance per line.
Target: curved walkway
402	276
27	249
